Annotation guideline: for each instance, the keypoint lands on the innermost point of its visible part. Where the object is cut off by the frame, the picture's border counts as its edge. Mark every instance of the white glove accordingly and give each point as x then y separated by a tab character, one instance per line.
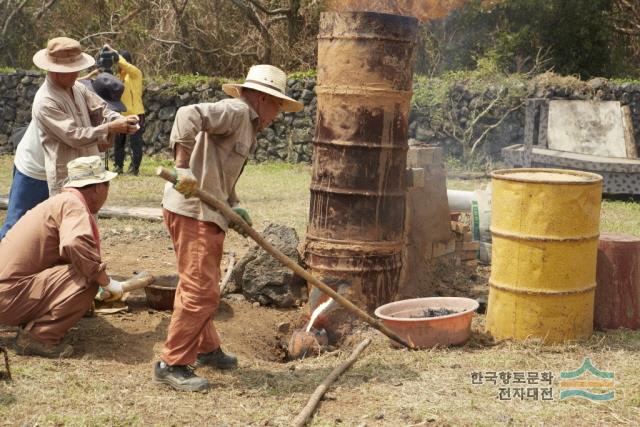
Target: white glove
113	291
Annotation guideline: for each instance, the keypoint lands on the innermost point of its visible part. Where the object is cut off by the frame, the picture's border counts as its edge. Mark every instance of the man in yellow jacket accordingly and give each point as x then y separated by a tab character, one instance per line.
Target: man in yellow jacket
131	76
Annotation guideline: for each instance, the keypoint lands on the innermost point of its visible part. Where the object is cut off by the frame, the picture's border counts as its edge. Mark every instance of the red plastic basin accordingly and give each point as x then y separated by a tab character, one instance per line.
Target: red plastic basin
425	332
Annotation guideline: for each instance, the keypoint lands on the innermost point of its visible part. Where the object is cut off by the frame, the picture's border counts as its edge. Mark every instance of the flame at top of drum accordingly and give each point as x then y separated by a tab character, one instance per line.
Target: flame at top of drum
424	10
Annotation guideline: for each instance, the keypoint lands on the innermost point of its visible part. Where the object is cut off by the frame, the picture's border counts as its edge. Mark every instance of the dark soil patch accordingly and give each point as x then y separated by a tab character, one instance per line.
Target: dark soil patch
253	332
437	312
430	312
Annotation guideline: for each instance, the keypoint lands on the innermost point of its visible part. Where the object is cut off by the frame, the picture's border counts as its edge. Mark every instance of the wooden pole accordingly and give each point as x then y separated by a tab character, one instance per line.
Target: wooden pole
227	276
139	281
6	376
311	405
226	210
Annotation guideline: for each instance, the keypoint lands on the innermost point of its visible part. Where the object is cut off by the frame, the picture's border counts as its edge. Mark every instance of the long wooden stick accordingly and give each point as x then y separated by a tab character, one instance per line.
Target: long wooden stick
315	398
6	363
227	276
285	260
139	281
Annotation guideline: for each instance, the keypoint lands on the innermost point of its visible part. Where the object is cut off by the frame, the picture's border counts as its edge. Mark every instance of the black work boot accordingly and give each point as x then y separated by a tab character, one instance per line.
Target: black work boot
179	377
217	359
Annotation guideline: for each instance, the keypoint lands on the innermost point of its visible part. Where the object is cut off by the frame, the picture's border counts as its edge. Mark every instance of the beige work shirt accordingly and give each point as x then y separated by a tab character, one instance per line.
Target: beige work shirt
56	232
69	127
221	136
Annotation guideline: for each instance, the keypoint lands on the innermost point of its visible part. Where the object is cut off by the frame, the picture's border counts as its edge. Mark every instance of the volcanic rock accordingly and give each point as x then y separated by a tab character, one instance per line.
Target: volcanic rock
260	277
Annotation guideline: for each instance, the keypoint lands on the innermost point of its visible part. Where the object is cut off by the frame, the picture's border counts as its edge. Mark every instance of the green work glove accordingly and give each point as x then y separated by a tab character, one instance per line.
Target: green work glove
186	183
245	216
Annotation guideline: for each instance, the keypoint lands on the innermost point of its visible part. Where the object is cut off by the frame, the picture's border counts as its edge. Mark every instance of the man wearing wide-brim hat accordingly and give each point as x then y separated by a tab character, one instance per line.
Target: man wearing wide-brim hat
211	143
29	185
50	264
71	119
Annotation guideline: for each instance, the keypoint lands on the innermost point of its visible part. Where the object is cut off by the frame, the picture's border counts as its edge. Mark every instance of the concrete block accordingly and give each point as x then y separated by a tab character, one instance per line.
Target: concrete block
469	255
427	252
442	249
415	177
433	170
423	156
471	246
459	227
438	156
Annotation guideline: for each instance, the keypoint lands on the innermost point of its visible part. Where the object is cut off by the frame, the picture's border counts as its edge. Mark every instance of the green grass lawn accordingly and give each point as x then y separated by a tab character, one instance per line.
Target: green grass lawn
620	216
280	192
272	192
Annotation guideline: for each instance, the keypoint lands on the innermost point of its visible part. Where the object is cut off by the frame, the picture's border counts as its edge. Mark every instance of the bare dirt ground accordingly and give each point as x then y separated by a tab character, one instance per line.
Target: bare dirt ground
108	381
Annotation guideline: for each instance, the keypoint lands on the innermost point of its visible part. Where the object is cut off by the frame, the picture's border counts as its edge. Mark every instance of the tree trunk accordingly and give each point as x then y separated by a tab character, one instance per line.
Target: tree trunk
293	21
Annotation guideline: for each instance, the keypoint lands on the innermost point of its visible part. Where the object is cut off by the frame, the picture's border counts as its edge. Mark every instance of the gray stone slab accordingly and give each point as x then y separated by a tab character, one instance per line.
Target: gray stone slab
150	214
587	127
621	176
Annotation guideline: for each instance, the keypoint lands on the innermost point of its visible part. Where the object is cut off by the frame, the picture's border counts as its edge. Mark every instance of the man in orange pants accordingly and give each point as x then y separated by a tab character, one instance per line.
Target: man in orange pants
211	143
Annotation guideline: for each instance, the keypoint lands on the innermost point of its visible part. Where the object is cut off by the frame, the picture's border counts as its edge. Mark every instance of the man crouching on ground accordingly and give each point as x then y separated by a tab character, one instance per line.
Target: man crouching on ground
211	143
50	264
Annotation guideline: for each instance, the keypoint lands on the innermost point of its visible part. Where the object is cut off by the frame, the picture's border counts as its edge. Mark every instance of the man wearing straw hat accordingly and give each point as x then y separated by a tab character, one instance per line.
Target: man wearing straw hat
29	185
72	120
50	266
211	143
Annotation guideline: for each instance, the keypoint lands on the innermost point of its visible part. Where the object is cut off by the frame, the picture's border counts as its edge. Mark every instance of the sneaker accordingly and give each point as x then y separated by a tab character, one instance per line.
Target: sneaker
179	377
118	170
27	345
133	171
217	359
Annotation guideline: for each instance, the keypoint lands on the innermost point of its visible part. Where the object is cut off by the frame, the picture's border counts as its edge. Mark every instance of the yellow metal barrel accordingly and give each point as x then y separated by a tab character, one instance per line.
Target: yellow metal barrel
545	227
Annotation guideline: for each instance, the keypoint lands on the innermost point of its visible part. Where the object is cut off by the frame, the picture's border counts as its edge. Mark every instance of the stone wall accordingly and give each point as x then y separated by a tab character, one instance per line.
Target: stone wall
461	101
289	138
16	95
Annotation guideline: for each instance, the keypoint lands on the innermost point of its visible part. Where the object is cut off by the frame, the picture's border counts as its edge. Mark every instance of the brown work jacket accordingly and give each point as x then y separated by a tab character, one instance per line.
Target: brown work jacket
221	136
56	232
69	127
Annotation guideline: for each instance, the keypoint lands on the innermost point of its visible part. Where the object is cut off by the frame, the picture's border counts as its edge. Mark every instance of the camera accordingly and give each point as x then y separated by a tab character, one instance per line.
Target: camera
106	61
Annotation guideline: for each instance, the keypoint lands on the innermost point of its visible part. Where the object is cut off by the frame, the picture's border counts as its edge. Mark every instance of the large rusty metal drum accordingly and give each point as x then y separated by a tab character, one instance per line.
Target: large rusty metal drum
356	218
545	227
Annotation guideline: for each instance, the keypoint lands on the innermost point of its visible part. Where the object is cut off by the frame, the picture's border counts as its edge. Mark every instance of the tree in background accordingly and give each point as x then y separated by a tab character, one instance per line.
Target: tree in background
209	37
13	15
224	37
575	37
626	22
